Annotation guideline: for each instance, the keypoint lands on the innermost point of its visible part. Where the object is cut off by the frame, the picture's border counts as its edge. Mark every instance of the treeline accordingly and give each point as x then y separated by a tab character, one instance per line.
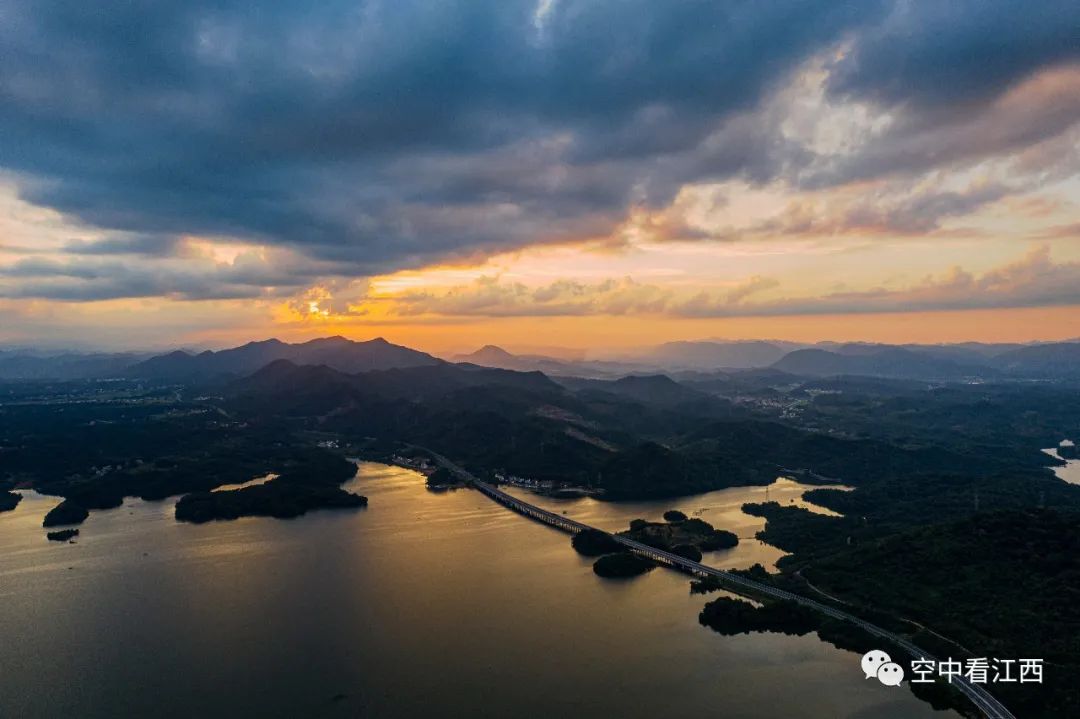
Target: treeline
997	584
304	485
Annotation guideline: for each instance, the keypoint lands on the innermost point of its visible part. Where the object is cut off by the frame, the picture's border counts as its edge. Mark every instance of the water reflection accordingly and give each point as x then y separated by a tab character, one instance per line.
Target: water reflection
722	509
250	483
421	605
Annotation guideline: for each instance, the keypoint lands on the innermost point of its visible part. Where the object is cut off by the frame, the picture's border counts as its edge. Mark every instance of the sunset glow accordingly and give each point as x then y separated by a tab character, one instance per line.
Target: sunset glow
800	207
529	358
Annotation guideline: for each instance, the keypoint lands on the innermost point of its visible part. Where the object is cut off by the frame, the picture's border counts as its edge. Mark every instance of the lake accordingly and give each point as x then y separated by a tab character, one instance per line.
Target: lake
423	604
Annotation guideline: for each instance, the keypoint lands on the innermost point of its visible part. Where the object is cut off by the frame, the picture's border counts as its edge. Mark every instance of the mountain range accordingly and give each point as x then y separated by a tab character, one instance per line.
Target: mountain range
706	361
893	362
337	353
714	355
36	365
956	362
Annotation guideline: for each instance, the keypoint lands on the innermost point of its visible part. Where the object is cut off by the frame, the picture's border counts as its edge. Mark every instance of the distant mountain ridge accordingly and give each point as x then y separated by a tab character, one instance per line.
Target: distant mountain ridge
656	389
33	365
942	362
288	388
682	360
396	382
1048	360
712	355
337	353
893	362
495	356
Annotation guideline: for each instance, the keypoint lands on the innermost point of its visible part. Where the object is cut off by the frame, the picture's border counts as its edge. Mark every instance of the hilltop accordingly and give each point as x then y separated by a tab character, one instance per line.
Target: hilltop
339	353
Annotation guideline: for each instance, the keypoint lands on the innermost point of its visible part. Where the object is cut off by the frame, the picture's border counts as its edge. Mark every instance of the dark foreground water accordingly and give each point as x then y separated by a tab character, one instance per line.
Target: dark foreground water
421	605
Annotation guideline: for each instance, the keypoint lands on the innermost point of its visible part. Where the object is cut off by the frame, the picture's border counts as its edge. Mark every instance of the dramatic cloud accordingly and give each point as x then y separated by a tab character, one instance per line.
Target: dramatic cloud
889	208
951	53
1025	118
385	134
190	276
1032	281
295	123
226	164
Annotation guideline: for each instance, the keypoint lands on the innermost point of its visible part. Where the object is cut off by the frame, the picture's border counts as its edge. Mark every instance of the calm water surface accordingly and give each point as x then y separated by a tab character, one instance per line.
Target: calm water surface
420	605
722	509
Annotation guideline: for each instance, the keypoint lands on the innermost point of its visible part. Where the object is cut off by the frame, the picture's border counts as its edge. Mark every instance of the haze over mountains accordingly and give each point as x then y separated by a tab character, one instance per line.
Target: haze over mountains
699	361
953	362
29	364
338	353
895	362
711	355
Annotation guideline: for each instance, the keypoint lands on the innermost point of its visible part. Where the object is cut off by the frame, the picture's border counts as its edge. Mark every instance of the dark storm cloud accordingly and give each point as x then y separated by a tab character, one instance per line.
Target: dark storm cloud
90	279
376	135
153	245
946	53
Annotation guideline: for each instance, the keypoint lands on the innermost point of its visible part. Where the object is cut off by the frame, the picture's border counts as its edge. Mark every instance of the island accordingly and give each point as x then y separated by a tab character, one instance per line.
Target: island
443	479
62	535
684	537
9	500
593	543
622	565
695	533
687	551
736	616
283	500
67	512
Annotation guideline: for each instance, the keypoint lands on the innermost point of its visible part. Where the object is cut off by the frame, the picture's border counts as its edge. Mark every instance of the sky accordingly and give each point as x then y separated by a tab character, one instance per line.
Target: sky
552	173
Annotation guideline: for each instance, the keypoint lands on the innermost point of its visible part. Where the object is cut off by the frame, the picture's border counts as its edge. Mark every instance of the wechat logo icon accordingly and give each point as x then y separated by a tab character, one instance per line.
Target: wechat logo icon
878	664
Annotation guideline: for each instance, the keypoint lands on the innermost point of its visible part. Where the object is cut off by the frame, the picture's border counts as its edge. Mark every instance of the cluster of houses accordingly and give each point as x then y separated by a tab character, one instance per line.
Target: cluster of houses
533	484
420	464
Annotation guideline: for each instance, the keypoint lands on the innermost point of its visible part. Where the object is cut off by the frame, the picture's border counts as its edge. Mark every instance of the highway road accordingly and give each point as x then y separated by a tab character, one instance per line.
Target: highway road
979	696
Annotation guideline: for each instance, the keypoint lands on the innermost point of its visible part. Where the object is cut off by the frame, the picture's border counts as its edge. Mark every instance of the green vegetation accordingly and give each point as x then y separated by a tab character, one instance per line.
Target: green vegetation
735	616
732	616
929	464
1004	584
273	499
96	446
674	515
62	535
9	501
309	486
894	504
695	533
798	530
622	565
442	479
687	551
593	543
999	584
704	585
67	512
734	430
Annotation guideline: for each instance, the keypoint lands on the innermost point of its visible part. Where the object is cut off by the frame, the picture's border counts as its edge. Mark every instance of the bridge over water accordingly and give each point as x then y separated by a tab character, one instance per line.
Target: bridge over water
979	696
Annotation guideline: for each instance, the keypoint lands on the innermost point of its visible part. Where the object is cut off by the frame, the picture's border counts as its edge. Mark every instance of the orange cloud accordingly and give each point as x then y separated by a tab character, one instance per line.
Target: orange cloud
1033	280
